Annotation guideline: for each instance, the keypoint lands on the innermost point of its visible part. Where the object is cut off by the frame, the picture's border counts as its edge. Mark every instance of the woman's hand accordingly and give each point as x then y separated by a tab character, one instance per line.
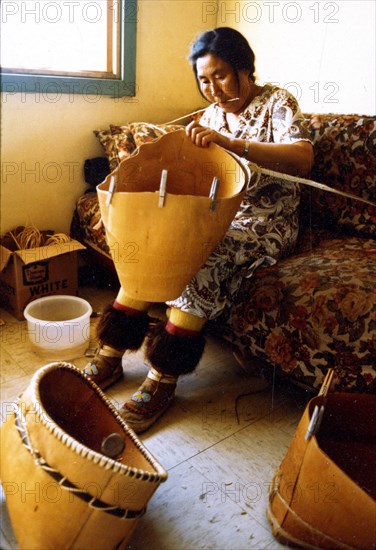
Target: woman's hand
202	136
291	158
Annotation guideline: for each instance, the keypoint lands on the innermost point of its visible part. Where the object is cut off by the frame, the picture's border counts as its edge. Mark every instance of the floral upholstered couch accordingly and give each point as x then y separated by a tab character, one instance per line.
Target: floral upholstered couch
315	309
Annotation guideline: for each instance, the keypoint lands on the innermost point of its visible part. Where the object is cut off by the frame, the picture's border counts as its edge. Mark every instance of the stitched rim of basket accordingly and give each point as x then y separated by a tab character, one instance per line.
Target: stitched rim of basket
93	502
82	450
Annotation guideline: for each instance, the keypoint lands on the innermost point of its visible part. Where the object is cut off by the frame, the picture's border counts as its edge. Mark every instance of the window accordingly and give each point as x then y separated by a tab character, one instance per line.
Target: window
68	46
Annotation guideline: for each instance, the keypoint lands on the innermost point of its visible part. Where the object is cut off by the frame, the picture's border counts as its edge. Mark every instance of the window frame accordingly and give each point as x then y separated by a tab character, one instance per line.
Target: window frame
124	85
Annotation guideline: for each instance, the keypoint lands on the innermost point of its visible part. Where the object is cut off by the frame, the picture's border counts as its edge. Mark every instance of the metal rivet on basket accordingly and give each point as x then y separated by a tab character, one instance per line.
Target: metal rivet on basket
112	445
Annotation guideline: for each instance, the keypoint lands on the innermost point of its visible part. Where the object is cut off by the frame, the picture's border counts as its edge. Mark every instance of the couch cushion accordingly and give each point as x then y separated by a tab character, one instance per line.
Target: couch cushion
145	132
345	158
119	142
313	311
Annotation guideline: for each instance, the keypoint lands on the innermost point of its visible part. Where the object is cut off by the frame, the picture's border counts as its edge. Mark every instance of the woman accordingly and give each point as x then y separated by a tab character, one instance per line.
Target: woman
260	124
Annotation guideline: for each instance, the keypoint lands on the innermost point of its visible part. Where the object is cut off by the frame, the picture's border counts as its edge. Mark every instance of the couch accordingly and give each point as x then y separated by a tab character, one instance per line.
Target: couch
315	309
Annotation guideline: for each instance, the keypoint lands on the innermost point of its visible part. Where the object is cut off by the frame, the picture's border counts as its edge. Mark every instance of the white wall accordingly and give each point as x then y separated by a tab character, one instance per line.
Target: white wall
322	51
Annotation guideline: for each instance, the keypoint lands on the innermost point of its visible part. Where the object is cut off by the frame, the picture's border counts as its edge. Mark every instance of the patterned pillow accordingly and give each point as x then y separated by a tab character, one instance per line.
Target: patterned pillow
123	141
117	142
120	142
144	132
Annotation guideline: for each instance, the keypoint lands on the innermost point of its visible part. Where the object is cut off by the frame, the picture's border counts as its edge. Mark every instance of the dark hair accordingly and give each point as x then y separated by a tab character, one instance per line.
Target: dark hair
228	44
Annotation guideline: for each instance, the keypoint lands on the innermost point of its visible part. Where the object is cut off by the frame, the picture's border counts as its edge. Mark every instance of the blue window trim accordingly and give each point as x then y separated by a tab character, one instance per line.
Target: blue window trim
125	85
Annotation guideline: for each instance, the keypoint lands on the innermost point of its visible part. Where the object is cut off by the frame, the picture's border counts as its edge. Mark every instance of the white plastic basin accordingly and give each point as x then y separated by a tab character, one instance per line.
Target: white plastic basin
59	326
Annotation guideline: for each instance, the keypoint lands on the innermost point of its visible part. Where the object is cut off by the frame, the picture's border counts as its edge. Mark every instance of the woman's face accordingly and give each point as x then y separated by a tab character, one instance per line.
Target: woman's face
218	83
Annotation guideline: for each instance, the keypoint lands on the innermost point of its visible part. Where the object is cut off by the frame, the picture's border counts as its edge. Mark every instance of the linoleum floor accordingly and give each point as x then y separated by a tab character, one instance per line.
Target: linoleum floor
220	447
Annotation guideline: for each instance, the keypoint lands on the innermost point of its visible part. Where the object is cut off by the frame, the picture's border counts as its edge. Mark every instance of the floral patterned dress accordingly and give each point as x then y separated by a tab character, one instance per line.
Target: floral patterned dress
266	226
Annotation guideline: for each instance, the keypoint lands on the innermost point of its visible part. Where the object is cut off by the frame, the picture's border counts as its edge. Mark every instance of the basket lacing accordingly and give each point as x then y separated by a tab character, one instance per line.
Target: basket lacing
93	502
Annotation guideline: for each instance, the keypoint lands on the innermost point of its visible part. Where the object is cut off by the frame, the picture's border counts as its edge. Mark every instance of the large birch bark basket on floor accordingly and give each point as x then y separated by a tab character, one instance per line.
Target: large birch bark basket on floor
74	476
156	248
323	493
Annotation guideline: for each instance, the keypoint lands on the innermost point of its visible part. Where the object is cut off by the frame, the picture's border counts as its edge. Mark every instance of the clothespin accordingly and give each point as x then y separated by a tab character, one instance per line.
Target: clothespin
318	412
315	422
162	189
213	193
111	189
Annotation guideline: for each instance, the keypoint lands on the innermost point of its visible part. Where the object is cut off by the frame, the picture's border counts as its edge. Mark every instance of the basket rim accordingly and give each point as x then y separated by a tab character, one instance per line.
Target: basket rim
82	450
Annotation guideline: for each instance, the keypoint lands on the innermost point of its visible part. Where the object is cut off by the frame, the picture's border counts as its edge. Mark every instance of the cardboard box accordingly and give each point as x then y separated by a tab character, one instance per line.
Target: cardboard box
26	275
